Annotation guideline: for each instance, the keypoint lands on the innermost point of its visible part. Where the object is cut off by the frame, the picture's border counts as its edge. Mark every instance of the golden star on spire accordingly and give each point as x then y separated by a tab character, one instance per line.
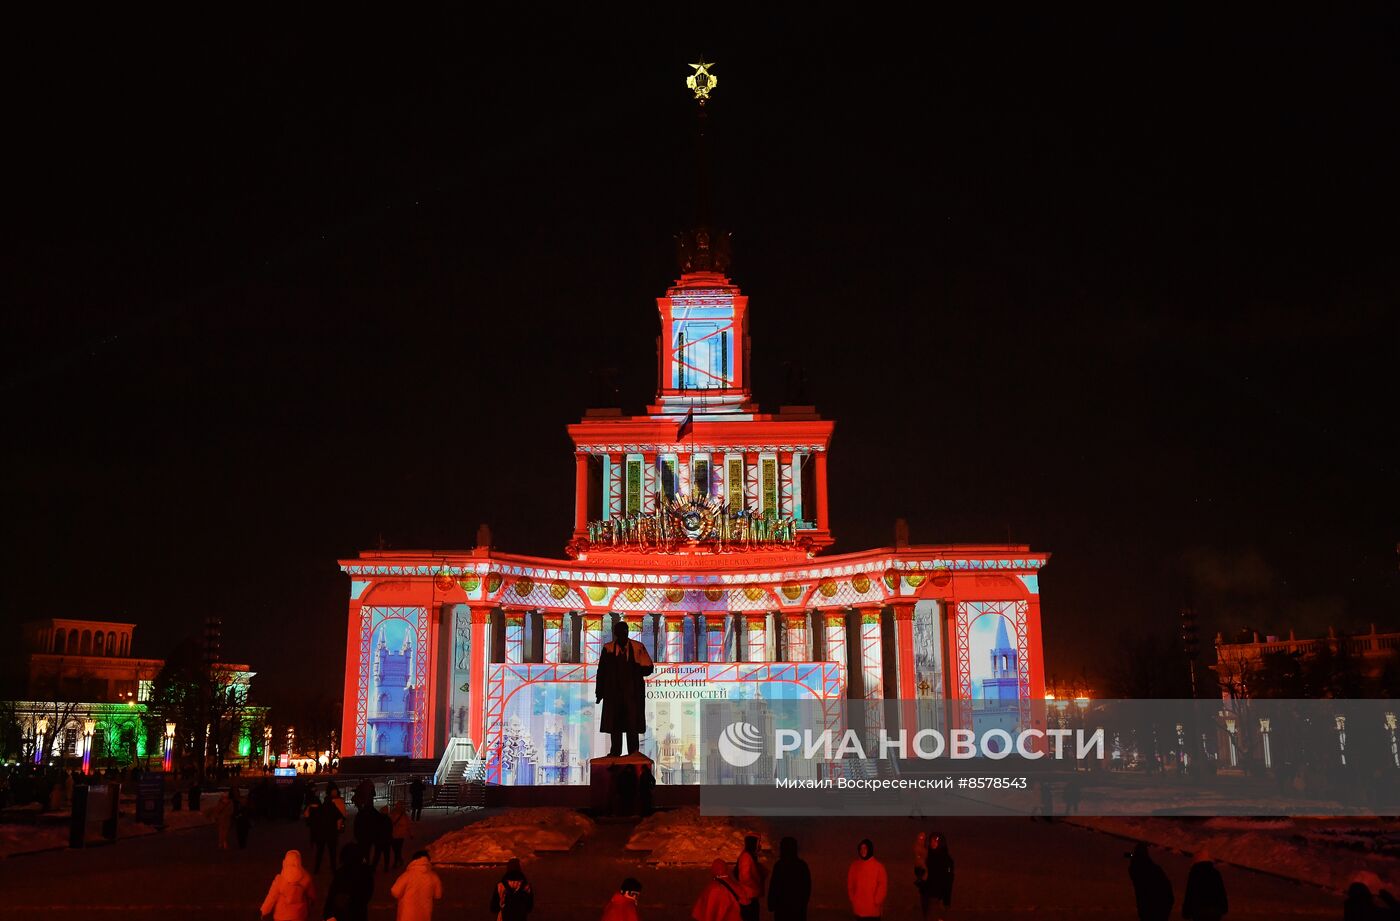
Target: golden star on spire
702	82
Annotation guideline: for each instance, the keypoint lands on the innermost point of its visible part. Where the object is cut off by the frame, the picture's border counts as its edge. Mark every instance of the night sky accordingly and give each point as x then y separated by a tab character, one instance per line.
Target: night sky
1124	291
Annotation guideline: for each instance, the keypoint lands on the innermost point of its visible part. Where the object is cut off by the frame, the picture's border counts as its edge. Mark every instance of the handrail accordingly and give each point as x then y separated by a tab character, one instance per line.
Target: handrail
459	748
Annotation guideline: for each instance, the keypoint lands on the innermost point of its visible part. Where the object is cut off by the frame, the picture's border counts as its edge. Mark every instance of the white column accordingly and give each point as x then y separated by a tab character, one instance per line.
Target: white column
795	645
515	635
553	636
756	623
674	625
715	630
595	637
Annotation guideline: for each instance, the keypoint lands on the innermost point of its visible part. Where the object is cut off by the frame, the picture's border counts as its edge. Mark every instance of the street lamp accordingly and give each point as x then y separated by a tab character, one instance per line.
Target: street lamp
89	726
41	728
1264	734
169	745
267	743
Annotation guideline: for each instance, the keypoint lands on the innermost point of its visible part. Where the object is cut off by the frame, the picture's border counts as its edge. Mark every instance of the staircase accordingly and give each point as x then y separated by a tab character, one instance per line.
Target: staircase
460	780
463	785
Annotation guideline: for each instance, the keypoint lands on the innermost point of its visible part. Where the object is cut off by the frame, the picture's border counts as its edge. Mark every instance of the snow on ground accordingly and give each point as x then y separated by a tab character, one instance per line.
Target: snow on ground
513	833
1327	852
685	838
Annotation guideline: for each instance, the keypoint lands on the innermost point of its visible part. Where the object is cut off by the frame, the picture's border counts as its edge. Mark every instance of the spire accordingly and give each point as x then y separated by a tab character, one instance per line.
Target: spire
1003	641
701	248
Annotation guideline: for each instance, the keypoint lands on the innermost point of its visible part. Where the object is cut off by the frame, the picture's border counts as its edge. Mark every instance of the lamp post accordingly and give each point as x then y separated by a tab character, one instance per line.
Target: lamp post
89	726
1264	726
267	743
41	729
169	745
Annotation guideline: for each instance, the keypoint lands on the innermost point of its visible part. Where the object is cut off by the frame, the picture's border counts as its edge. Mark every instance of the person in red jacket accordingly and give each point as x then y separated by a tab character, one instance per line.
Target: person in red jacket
623	905
752	879
866	882
719	901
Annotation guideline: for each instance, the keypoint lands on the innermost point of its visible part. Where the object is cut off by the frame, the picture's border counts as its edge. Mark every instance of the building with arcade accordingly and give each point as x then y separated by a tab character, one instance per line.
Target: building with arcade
704	524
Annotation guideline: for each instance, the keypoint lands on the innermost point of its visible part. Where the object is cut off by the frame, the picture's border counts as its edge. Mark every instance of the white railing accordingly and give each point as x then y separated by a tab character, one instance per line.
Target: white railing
459	748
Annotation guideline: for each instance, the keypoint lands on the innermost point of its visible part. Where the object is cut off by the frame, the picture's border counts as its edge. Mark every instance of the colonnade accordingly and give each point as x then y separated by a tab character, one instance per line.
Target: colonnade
820	634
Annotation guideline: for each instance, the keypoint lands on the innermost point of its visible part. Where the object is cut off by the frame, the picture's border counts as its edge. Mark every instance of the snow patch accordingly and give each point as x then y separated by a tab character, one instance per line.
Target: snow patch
685	838
514	833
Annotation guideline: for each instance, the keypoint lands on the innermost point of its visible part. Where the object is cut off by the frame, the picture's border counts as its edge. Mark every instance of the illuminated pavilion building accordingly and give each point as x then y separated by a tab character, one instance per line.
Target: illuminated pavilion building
702	523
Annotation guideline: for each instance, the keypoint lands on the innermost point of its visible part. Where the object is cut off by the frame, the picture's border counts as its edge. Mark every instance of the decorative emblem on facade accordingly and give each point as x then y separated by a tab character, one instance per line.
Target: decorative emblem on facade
596	593
444	581
493	583
636	594
524	586
674	595
860	582
693	523
469	581
558	590
714	594
827	587
753	592
792	590
702	82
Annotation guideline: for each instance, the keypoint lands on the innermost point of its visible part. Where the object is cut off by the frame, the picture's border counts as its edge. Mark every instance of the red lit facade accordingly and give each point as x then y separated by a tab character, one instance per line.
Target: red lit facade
703	524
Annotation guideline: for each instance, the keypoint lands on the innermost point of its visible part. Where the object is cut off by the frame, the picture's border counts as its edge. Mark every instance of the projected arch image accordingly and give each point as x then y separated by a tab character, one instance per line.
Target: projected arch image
993	671
395	659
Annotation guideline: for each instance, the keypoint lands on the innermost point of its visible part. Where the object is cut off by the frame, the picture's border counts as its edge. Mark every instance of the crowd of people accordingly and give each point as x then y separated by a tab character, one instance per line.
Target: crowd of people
736	891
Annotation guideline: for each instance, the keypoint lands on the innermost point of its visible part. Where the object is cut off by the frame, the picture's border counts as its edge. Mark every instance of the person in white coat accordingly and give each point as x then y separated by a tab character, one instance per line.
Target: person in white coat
417	889
292	892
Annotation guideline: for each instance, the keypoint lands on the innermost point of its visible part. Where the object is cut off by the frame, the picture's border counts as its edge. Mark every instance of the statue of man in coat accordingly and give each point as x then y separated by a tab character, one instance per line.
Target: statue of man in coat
621	689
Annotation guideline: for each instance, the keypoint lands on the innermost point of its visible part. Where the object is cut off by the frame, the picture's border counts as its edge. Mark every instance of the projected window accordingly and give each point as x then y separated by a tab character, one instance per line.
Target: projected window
770	485
700	476
668	477
736	483
634	487
701	352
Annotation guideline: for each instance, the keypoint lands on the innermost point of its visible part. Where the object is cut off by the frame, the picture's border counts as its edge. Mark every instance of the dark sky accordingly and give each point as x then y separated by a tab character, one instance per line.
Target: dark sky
1121	290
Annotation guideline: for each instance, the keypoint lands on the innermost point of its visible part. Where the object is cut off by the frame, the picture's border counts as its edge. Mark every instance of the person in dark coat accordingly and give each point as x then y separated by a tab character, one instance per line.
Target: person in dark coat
364	794
1205	898
383	837
513	899
936	886
242	821
1047	802
1360	905
790	888
1151	888
621	686
324	822
415	796
366	823
352	888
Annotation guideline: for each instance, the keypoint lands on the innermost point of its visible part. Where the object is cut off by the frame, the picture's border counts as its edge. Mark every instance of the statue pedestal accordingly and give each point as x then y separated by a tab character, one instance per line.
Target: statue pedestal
621	786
